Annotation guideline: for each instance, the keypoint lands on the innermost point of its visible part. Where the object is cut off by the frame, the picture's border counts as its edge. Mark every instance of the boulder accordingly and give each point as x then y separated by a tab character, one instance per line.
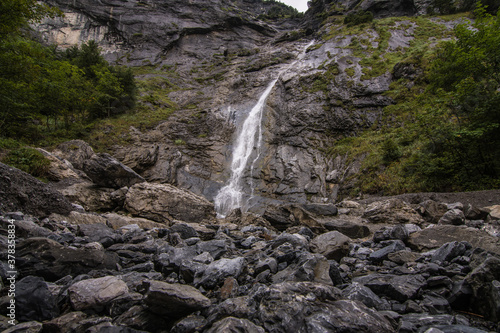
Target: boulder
485	283
333	245
358	292
436	236
174	300
306	267
235	325
219	270
106	171
95	293
397	287
117	221
34	300
348	228
494	211
383	254
78	218
314	307
321	209
279	217
392	211
52	261
191	323
27	327
98	233
432	210
75	151
58	169
64	323
94	198
453	217
20	191
164	202
449	251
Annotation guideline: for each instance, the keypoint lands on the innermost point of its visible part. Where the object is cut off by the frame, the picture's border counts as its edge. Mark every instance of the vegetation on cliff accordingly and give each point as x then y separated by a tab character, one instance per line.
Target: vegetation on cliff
441	134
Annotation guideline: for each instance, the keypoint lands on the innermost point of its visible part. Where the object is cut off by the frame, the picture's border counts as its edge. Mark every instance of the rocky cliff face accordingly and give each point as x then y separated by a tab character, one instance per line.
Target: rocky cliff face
223	56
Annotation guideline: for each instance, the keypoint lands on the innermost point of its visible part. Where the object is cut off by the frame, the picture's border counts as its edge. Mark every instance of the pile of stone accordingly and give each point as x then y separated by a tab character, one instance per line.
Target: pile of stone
387	266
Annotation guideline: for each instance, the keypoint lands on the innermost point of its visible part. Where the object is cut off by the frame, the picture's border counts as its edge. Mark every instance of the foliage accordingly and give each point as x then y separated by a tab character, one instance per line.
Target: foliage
17	14
28	160
279	10
442	132
358	17
38	85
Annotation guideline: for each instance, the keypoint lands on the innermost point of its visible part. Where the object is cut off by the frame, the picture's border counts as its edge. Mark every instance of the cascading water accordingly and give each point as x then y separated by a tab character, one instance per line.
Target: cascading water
231	196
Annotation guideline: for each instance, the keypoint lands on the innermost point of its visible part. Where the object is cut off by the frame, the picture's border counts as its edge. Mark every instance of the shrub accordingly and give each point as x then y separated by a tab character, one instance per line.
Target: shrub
28	160
358	17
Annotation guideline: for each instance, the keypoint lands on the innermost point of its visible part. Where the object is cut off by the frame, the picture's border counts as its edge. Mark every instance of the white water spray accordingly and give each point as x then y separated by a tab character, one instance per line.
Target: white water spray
249	139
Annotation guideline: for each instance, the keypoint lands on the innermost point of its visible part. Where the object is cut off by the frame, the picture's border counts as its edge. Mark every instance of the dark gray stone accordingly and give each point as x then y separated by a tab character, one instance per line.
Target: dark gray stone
34	302
184	230
219	270
383	253
99	233
449	251
358	292
397	287
106	171
235	325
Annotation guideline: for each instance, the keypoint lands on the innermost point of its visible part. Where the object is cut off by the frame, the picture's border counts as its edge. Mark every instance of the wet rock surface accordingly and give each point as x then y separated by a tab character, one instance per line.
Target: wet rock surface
94	272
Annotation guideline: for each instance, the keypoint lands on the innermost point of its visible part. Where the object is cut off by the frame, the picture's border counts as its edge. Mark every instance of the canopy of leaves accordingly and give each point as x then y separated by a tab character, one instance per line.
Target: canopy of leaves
467	72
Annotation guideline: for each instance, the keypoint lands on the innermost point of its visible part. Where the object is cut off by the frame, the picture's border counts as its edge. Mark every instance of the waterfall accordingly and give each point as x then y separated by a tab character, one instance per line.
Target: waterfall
249	139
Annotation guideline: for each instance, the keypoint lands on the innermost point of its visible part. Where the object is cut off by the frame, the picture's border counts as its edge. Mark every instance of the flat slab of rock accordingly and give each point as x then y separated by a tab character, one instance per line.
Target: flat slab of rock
88	294
174	300
436	236
160	202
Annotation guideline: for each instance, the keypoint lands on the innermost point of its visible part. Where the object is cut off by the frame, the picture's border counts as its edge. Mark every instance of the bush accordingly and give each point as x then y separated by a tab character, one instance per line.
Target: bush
28	160
358	17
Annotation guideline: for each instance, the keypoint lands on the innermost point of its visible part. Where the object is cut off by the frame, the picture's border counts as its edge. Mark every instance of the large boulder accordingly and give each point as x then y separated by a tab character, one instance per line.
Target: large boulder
392	211
74	151
436	236
232	324
485	283
314	307
164	202
398	287
96	293
104	170
92	197
58	169
34	300
52	261
333	245
20	191
174	300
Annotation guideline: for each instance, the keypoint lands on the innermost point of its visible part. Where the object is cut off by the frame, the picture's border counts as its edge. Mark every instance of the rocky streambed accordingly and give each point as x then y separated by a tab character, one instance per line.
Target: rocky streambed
158	260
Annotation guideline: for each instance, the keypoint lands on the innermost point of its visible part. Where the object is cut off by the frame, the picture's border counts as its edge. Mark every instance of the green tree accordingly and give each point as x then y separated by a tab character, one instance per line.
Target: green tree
17	14
467	73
